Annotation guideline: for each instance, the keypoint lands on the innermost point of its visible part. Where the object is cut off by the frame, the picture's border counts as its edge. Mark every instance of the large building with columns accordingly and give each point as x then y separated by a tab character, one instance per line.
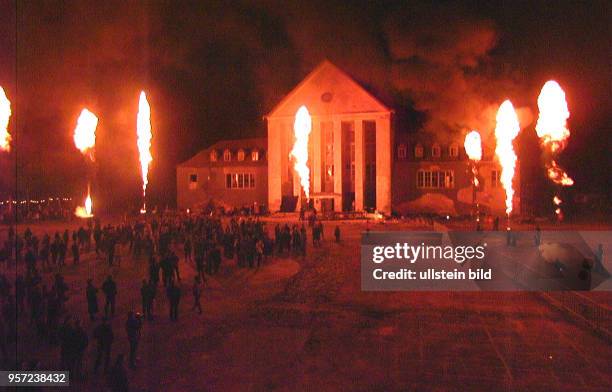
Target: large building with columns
350	146
356	160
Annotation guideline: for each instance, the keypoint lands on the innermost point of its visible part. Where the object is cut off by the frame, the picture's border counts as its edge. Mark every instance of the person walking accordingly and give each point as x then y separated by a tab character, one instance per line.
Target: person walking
103	335
109	287
91	292
133	325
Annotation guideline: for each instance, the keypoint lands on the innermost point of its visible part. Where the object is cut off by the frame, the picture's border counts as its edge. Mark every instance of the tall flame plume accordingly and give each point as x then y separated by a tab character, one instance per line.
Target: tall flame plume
85	133
5	114
302	128
143	130
473	148
506	130
554	134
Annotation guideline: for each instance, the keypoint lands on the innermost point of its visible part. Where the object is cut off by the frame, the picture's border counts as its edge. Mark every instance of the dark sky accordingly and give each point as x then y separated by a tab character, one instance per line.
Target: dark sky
212	70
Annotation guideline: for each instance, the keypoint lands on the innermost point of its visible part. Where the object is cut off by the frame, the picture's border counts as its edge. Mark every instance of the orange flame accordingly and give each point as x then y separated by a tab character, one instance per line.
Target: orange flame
558	176
5	114
85	132
473	146
552	127
143	130
506	130
86	211
301	128
557	200
552	121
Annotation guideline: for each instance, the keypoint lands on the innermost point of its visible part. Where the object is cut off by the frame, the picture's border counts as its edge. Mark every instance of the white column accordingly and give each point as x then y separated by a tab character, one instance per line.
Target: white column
384	154
337	164
359	164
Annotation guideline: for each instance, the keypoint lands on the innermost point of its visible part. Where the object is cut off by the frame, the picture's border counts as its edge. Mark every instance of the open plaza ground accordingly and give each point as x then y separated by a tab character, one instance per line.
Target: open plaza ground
304	324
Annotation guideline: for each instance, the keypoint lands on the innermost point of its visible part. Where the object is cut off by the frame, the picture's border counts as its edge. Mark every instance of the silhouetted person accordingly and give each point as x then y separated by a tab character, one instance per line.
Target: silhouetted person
337	233
174	297
133	326
197	293
103	335
92	299
117	377
109	287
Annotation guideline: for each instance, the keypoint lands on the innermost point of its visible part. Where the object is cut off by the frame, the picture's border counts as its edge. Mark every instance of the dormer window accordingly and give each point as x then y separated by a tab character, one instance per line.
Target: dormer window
227	155
255	155
213	156
435	150
453	150
418	151
241	155
401	151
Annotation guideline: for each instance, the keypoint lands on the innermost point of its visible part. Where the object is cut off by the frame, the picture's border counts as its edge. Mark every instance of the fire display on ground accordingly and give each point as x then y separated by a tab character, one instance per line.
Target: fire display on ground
85	211
143	129
5	114
506	130
301	128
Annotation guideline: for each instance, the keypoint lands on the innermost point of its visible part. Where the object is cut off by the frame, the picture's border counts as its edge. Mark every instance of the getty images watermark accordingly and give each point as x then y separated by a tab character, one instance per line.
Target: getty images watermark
499	261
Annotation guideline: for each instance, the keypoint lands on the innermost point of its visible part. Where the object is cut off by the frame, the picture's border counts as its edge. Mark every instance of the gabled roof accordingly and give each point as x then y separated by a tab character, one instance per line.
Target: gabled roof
202	158
328	90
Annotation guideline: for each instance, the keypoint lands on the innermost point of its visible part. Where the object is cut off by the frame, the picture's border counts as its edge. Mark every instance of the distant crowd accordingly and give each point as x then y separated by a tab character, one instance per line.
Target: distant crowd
36	293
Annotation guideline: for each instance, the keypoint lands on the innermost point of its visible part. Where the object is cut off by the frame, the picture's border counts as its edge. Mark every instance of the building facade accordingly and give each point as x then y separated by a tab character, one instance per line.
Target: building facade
356	160
231	173
350	168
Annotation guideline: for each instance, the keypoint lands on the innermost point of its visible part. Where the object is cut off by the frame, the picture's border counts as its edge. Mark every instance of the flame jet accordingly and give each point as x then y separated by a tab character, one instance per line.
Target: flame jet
302	128
506	130
5	114
87	210
85	133
473	148
553	133
143	131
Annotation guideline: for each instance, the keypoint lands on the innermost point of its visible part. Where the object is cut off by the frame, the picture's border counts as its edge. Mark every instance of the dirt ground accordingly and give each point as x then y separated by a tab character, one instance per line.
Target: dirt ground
303	324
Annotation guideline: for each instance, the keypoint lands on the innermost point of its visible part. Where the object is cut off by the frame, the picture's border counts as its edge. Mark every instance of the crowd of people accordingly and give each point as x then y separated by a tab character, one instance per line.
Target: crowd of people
36	292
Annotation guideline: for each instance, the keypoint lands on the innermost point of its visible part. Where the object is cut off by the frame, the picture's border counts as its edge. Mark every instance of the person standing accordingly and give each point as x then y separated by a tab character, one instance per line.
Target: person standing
103	335
92	299
174	297
109	287
197	293
133	325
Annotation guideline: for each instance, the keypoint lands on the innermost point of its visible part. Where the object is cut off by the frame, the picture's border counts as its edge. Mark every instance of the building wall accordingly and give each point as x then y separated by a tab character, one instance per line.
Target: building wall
492	198
211	185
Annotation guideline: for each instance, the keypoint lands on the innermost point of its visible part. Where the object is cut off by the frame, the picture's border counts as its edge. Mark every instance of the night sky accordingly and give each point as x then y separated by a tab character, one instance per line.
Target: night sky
213	70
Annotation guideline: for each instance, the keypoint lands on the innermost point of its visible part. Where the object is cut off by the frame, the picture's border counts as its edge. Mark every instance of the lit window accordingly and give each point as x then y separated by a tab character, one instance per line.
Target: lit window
213	156
418	151
435	151
193	181
227	155
494	178
240	181
435	179
453	151
241	155
254	155
401	151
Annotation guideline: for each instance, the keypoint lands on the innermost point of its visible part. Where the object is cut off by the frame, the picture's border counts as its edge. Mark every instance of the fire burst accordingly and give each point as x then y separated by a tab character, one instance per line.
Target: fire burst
85	133
473	148
553	133
301	128
86	211
143	130
506	130
5	114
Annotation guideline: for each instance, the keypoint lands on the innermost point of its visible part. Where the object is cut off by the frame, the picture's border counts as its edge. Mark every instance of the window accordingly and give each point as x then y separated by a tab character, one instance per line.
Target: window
193	181
453	151
418	151
213	156
241	155
401	151
435	150
254	155
435	179
227	155
240	180
495	178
